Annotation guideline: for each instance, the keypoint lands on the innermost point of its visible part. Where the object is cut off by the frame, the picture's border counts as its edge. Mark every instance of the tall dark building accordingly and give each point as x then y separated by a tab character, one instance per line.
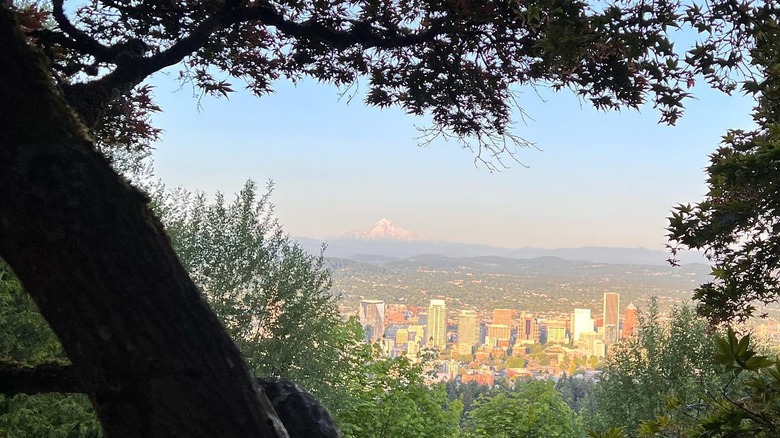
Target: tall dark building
611	317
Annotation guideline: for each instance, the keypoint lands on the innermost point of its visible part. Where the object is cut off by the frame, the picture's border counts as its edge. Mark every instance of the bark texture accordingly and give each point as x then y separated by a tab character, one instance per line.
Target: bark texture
301	414
146	347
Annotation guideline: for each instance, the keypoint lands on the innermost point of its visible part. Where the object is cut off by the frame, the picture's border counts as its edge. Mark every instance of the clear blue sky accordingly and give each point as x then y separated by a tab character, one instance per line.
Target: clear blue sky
601	179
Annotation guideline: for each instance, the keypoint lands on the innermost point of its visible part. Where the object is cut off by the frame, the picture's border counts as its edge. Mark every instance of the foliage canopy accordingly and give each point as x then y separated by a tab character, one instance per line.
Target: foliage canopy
738	223
457	61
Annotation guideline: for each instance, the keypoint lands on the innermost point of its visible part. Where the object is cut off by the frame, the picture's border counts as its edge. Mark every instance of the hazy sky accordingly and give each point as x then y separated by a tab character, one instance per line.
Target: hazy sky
600	179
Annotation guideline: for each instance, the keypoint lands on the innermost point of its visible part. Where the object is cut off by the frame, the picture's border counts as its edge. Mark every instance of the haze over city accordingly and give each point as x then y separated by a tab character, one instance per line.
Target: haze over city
596	179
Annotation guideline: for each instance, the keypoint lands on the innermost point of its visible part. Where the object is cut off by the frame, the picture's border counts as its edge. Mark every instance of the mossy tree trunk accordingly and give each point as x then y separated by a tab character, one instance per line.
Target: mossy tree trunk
146	347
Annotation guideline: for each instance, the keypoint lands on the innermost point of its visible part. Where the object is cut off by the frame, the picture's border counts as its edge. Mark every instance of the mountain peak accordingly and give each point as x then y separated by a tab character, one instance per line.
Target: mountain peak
384	229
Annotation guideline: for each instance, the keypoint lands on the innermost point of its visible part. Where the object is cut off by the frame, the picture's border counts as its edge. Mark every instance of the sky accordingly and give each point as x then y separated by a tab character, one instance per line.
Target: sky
596	179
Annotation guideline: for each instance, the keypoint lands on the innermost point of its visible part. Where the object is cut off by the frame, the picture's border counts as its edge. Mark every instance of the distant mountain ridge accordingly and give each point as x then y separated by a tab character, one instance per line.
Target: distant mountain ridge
376	250
386	241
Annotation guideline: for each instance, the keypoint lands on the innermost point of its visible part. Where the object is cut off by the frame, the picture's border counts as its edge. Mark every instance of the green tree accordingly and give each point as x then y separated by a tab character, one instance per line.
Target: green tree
577	393
737	224
273	297
392	399
146	347
534	410
466	393
515	362
663	363
745	404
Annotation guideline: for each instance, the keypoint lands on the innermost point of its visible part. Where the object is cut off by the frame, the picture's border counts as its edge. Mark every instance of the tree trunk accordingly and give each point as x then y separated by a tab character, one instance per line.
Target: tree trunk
146	347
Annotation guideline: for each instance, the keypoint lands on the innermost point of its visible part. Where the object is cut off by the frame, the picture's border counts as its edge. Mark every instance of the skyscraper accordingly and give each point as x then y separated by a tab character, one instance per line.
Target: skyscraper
467	331
502	316
611	317
529	329
437	324
372	317
581	323
556	331
498	334
629	321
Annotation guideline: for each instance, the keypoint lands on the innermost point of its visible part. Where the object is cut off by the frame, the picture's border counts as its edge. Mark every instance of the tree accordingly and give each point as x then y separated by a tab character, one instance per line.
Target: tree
392	399
466	393
273	298
664	362
744	404
576	392
146	348
534	410
737	224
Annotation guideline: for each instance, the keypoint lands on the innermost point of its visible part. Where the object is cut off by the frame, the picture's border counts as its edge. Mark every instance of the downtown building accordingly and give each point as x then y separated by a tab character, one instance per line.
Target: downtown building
629	321
611	314
372	318
467	331
581	323
437	324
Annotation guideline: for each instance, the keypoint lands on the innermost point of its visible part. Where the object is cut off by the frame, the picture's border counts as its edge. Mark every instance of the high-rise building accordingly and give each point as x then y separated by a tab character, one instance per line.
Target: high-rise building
498	332
528	332
629	321
467	331
556	331
611	317
372	317
437	324
503	316
581	323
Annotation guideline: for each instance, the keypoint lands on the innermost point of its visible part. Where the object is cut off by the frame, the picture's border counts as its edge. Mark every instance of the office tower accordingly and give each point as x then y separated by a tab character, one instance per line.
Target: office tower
437	324
467	331
556	331
528	331
372	317
611	317
581	323
503	316
629	321
498	332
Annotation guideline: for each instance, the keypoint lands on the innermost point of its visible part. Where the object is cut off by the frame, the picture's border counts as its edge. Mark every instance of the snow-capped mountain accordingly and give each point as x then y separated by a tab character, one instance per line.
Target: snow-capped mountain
384	230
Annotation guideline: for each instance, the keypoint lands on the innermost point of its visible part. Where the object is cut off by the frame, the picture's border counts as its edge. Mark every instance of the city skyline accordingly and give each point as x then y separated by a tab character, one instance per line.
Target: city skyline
484	336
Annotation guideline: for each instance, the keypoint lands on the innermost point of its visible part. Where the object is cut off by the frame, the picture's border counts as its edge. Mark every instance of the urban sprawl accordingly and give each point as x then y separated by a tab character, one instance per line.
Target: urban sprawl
471	345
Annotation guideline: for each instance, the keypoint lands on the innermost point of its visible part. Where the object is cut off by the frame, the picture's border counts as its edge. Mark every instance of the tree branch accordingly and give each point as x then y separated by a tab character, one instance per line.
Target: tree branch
80	40
301	414
89	98
17	378
360	33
